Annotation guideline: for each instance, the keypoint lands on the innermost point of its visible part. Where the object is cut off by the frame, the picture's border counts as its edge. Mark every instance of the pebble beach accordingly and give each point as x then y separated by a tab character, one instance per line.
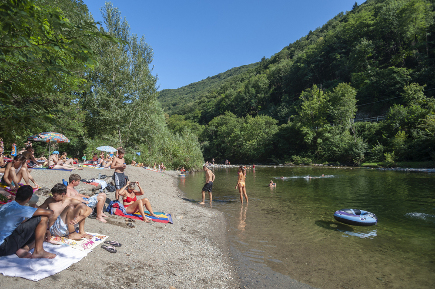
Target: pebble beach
190	253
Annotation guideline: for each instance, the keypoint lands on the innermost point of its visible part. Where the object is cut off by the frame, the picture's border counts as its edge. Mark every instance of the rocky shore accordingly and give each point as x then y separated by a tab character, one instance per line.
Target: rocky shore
191	253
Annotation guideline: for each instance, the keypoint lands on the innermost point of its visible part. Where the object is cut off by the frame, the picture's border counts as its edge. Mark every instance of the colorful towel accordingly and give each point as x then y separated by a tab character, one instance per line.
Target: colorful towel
8	189
37	269
68	170
82	245
161	217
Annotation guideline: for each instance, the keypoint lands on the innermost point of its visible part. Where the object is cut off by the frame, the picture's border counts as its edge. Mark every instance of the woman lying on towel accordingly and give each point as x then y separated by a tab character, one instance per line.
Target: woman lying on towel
132	204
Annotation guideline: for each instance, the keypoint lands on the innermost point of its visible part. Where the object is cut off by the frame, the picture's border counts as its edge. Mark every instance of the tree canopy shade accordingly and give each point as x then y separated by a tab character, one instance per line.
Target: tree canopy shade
60	72
42	54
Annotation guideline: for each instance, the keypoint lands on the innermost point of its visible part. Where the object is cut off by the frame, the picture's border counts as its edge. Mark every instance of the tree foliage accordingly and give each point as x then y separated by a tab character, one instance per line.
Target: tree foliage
377	59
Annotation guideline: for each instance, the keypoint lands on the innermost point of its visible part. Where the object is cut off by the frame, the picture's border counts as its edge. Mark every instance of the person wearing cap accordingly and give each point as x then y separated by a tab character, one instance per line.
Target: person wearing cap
55	163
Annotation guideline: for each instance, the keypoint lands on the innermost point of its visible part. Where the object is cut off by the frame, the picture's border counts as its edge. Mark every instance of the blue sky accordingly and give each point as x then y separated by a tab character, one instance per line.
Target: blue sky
195	39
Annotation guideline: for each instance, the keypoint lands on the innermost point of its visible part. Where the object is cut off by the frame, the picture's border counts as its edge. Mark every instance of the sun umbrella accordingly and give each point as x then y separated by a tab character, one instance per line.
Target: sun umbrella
107	149
49	137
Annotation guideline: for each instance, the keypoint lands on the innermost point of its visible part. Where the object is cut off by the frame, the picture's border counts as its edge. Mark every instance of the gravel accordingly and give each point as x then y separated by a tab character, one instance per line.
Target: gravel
191	253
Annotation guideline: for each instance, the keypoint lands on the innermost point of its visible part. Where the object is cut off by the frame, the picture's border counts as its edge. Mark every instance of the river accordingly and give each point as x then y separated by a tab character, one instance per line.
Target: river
287	236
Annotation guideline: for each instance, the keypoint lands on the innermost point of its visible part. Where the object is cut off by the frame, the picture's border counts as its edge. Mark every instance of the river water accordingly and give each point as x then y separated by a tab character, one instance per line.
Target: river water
287	237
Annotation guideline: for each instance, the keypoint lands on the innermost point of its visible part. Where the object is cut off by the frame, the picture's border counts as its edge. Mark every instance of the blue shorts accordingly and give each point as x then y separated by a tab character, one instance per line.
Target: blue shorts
92	201
59	228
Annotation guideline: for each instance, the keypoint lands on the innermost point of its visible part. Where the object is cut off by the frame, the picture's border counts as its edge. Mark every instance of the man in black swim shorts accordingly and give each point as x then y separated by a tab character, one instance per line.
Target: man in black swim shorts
209	179
118	164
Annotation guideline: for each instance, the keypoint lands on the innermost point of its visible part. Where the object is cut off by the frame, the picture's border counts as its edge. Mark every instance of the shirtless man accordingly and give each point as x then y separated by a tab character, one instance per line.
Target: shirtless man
95	200
65	160
67	212
55	163
118	164
209	179
29	154
15	171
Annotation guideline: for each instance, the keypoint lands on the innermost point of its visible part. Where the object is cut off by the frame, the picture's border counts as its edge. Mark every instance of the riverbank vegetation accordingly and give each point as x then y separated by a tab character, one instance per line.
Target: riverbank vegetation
61	71
305	103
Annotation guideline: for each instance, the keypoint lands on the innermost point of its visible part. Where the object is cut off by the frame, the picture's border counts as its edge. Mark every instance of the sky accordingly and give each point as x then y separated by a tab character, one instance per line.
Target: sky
195	39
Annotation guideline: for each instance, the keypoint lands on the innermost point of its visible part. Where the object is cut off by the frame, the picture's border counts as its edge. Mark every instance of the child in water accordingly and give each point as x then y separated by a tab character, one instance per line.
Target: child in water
272	184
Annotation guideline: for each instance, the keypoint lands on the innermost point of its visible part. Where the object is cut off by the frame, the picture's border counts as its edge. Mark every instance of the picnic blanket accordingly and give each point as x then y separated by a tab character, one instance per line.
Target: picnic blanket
82	245
37	269
161	217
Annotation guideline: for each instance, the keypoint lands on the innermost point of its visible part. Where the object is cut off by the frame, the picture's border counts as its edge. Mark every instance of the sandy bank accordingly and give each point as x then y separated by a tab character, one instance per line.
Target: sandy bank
191	253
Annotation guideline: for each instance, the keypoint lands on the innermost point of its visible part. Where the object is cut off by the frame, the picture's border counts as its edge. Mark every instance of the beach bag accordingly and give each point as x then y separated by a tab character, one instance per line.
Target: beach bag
110	188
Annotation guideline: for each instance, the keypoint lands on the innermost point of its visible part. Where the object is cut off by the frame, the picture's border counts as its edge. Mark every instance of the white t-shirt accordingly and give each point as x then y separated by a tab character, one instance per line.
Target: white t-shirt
11	216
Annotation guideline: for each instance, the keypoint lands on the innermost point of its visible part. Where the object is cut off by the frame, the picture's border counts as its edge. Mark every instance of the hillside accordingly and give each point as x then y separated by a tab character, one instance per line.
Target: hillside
174	101
376	60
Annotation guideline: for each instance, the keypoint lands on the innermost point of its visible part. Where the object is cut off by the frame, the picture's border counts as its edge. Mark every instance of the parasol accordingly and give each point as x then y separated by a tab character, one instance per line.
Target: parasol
49	137
107	149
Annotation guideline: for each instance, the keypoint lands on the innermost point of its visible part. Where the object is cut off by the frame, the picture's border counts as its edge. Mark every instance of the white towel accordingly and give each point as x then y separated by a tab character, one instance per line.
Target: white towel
37	269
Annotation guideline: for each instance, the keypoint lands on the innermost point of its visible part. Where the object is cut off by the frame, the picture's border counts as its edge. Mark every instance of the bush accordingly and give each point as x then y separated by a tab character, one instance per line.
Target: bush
298	160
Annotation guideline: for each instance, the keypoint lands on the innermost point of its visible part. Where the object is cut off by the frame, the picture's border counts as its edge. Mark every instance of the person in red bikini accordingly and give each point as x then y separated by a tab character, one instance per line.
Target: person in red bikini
132	204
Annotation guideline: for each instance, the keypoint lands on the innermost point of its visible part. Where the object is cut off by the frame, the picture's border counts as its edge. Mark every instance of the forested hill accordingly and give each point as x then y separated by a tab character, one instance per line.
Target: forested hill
175	101
377	47
377	59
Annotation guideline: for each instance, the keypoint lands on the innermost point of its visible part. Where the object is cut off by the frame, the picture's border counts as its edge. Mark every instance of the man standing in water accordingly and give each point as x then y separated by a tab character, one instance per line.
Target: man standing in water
209	179
119	166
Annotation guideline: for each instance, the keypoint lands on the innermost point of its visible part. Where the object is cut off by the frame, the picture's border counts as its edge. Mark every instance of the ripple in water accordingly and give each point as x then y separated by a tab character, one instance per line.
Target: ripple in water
421	216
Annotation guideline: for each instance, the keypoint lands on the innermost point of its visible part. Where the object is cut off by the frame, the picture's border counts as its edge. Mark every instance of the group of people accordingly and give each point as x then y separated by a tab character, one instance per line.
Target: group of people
63	214
210	177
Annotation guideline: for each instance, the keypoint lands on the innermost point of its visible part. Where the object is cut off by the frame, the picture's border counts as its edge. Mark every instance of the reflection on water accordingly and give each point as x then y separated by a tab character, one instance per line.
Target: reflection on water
290	230
242	218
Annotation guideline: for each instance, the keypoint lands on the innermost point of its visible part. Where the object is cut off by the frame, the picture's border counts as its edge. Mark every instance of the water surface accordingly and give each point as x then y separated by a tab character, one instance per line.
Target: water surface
290	230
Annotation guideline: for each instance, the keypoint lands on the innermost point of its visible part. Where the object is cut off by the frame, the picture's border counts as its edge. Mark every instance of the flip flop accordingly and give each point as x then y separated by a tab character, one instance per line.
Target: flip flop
130	225
109	248
113	243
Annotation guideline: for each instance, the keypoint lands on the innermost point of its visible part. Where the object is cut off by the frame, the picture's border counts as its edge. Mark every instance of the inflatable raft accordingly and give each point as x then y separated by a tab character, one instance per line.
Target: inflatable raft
356	217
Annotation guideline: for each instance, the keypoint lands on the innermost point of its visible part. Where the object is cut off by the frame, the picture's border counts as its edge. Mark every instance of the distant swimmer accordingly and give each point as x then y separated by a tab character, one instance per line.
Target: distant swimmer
272	184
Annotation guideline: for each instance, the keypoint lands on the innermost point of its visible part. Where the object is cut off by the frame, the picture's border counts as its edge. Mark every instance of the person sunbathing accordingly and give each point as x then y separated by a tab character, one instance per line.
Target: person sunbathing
92	202
67	214
65	160
15	171
29	154
132	204
18	237
55	163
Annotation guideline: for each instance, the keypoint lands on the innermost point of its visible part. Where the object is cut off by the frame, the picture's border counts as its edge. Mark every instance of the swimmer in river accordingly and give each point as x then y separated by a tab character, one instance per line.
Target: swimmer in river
272	184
